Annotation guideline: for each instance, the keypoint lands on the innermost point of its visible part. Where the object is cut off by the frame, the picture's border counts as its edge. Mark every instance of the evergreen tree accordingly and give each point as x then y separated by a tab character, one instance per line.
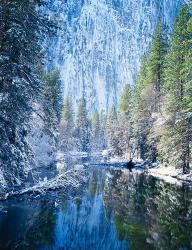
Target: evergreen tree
96	124
125	120
113	133
142	111
22	28
177	135
83	127
156	64
147	96
103	119
53	91
96	130
188	70
52	100
67	126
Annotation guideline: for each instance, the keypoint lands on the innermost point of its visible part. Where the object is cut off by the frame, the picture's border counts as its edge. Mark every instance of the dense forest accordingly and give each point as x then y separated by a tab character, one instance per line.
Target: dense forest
152	121
154	117
96	124
27	92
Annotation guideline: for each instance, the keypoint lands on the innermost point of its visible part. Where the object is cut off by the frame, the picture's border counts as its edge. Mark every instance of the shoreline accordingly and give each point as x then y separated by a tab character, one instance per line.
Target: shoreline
169	174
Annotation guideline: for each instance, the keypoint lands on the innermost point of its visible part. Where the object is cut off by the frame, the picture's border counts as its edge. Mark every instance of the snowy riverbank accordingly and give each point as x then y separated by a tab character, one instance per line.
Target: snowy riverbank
72	178
169	174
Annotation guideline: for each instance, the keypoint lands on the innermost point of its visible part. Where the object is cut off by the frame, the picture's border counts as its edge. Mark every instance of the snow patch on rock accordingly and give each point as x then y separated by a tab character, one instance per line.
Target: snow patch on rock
43	143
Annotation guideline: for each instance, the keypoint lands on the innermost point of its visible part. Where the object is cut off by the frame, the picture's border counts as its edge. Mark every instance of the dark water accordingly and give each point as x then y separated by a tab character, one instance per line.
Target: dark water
113	210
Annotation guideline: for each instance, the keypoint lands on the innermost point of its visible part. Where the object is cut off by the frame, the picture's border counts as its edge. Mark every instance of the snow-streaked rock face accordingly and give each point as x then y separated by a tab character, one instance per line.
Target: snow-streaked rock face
100	44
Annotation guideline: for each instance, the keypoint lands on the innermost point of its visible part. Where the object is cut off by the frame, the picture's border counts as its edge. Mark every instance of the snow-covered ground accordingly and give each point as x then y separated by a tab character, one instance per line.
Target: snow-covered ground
72	178
61	155
169	174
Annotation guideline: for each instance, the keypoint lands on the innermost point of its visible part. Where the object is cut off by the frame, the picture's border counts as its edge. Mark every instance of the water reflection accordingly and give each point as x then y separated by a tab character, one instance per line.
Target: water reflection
115	210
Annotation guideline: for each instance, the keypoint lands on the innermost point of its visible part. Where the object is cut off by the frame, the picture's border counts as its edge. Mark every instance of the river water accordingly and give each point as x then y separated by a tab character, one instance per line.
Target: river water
114	209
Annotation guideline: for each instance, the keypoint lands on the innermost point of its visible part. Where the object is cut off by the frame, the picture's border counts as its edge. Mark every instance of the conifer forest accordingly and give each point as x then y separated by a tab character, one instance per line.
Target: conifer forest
96	124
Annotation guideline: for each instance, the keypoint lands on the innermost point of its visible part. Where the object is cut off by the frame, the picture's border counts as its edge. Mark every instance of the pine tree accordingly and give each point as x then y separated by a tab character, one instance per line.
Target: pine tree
53	92
142	111
52	100
83	127
96	130
156	63
22	29
113	133
188	70
125	120
147	96
67	126
177	136
103	119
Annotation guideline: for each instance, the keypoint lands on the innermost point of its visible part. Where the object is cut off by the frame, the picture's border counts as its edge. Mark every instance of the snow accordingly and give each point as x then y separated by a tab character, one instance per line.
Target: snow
60	166
3	183
101	43
106	152
168	174
165	171
61	155
71	178
43	144
117	159
78	167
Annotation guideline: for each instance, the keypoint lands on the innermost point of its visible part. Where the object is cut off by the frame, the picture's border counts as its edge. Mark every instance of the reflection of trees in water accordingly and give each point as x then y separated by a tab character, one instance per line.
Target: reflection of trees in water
146	213
174	210
46	222
149	213
96	183
38	228
128	196
93	185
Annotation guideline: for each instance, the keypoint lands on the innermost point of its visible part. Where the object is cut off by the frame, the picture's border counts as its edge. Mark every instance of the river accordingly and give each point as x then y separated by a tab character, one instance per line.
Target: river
113	209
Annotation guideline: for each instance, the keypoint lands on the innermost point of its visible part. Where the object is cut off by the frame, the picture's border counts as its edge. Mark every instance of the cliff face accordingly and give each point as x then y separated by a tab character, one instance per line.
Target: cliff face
101	42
